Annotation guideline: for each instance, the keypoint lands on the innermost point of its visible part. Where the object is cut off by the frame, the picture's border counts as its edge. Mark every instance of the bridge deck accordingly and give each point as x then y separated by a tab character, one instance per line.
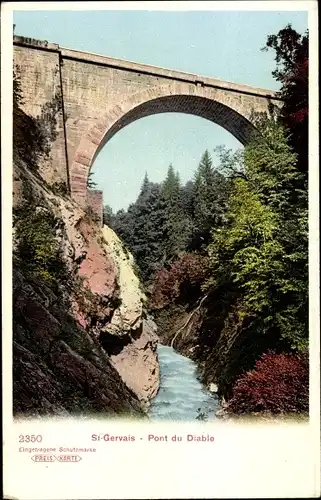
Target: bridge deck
91	58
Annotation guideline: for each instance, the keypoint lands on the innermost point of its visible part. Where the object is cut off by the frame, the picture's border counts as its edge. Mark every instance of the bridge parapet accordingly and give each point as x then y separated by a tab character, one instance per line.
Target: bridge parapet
33	42
147	69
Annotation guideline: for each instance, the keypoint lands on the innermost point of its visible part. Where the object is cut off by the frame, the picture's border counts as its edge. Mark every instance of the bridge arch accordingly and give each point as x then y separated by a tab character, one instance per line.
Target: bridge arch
230	111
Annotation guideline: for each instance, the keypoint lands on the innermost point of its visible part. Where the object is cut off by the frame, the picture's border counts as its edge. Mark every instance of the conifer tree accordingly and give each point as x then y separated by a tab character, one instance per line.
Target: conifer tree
176	225
142	228
210	196
122	225
187	196
171	186
145	185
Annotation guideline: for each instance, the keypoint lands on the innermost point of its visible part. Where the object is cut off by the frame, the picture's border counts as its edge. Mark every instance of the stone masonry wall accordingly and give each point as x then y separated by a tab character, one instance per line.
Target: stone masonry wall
91	91
40	79
95	202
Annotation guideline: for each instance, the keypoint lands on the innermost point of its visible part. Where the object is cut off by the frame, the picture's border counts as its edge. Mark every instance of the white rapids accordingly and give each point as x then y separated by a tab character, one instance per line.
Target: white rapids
181	395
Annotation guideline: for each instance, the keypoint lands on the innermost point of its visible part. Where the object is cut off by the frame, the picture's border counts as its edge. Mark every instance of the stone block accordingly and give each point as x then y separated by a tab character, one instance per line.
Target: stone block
95	201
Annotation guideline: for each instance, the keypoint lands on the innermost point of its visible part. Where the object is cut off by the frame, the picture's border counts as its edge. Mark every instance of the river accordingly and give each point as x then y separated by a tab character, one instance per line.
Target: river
181	395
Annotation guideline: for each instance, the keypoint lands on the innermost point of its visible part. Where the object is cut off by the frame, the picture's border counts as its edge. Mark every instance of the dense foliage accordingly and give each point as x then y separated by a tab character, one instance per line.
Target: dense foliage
181	281
37	251
292	71
279	383
262	249
168	219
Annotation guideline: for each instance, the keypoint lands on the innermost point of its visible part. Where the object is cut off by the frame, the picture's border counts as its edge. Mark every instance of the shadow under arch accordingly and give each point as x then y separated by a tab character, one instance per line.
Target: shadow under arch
227	112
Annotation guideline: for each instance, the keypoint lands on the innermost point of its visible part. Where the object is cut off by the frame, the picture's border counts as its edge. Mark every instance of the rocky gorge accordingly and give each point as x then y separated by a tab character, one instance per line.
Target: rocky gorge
82	341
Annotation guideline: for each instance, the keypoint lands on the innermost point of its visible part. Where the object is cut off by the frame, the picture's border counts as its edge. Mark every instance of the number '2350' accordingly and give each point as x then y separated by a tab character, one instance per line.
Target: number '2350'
30	438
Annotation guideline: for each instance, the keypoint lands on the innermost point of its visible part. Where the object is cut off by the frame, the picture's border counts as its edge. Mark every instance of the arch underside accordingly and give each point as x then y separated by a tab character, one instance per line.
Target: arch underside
228	115
209	109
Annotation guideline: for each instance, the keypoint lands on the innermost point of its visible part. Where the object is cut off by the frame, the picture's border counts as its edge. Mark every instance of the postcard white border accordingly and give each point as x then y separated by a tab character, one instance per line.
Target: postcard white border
312	435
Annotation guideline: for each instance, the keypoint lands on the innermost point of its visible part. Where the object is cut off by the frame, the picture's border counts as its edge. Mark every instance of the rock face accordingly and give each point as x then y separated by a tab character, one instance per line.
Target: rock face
138	365
128	316
91	349
58	368
98	267
74	243
137	362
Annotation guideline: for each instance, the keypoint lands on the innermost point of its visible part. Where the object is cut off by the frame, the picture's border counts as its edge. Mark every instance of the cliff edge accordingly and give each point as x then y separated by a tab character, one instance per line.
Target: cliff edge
81	340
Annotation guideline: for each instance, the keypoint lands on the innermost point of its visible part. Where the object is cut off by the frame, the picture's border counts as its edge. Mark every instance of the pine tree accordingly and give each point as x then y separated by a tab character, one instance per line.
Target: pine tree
210	195
145	185
205	169
171	186
187	196
176	224
122	225
142	229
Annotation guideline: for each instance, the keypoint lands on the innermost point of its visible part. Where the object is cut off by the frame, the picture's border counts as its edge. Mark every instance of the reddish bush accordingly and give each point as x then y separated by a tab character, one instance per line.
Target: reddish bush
181	281
279	383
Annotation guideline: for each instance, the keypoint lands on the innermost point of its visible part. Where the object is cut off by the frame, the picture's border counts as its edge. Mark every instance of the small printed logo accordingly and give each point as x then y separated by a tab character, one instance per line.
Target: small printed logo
58	458
68	458
43	458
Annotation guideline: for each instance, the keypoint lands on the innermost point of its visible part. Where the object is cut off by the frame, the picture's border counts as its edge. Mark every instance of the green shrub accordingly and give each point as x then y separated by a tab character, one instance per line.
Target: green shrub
60	188
91	216
36	247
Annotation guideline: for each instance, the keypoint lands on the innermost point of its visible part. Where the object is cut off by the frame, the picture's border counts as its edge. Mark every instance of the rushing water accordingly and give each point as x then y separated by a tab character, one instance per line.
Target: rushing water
181	395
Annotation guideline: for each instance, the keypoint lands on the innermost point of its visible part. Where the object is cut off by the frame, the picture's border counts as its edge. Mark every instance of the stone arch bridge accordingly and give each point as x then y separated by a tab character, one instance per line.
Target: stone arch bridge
90	97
